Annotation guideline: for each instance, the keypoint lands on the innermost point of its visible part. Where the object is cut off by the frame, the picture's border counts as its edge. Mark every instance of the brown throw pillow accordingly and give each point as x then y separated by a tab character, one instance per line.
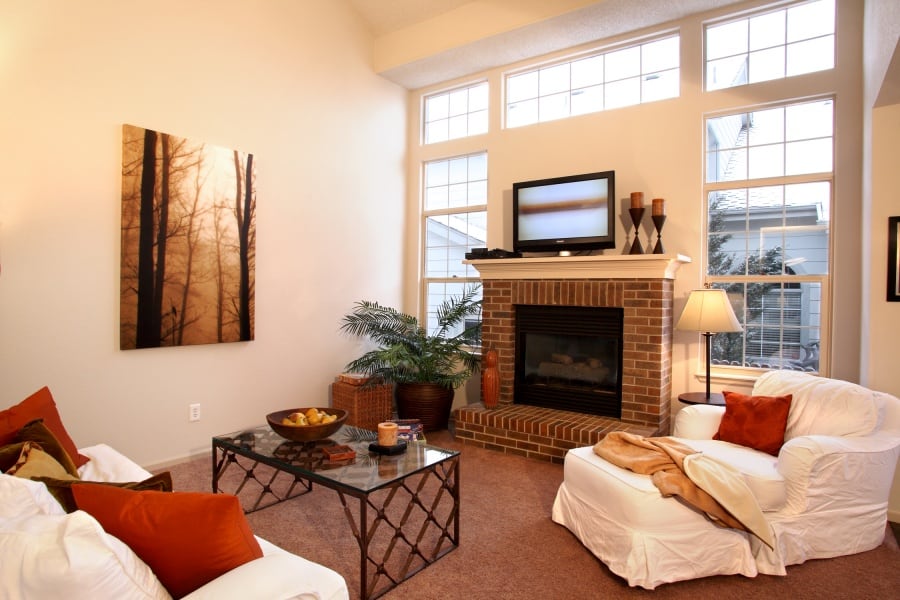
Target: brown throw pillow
9	455
755	421
37	431
28	459
61	489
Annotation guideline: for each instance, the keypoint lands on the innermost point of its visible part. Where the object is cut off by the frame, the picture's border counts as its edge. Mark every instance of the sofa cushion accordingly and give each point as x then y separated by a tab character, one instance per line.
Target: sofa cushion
108	464
39	405
757	422
70	556
23	497
187	538
277	574
61	489
759	470
822	406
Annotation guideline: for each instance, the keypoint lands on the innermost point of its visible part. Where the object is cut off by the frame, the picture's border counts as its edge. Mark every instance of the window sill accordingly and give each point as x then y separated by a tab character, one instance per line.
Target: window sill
743	376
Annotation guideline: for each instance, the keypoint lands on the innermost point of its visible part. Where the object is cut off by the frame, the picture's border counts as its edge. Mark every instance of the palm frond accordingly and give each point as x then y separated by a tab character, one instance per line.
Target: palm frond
407	353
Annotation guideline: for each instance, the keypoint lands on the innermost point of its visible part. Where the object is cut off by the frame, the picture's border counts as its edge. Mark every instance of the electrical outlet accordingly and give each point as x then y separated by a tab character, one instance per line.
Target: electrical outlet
195	412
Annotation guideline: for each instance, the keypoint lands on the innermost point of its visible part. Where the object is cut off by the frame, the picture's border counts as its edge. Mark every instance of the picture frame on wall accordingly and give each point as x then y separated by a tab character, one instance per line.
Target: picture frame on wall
893	275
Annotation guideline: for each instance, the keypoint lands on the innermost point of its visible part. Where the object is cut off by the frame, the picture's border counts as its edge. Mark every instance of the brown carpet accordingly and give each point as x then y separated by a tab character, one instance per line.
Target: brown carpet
510	549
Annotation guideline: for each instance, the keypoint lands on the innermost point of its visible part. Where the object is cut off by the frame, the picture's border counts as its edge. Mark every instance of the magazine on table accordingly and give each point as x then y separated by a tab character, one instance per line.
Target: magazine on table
410	430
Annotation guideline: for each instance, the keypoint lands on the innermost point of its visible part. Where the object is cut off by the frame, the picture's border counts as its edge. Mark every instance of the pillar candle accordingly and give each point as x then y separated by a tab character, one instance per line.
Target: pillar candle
659	207
387	434
637	199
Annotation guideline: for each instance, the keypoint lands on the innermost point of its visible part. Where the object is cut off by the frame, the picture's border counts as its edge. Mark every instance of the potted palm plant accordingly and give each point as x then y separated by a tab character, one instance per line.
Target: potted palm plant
426	367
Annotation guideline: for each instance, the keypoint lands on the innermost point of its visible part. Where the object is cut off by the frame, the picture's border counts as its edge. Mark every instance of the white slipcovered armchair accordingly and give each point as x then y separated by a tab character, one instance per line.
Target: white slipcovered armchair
824	495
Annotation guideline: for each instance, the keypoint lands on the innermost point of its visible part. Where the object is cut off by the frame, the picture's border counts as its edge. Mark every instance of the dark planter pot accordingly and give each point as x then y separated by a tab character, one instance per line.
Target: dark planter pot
430	403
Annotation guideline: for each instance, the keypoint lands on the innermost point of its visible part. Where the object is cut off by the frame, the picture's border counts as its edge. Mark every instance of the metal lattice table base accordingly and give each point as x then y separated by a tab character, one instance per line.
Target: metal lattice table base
400	528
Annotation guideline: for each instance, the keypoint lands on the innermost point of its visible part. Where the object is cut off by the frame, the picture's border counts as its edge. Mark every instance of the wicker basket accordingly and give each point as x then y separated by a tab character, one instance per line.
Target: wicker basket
366	406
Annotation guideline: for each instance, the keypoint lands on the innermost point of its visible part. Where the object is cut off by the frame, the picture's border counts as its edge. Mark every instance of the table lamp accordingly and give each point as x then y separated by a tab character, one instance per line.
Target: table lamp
708	311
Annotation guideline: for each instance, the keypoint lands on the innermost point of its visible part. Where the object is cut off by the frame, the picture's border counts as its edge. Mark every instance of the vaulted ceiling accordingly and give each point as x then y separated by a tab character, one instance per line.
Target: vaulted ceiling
423	42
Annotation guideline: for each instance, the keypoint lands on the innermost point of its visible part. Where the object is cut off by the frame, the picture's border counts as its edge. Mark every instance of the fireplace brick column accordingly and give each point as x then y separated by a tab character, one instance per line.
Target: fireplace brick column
646	352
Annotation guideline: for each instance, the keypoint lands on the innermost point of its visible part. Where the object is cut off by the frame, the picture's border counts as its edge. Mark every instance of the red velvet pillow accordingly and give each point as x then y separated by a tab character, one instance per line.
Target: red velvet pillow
186	538
39	405
755	421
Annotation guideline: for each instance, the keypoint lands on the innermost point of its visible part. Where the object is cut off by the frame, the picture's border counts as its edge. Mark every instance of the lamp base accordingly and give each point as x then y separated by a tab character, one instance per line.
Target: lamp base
714	398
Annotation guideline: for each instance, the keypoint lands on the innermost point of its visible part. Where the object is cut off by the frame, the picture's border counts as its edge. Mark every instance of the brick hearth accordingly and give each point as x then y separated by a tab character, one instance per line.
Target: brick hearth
646	297
535	432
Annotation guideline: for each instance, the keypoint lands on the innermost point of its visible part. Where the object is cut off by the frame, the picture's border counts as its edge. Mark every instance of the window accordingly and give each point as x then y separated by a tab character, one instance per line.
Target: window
772	45
455	220
641	73
456	114
769	191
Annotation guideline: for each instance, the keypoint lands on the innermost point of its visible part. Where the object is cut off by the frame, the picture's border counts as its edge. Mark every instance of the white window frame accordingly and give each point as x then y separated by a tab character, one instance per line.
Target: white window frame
573	90
824	281
471	276
460	112
747	55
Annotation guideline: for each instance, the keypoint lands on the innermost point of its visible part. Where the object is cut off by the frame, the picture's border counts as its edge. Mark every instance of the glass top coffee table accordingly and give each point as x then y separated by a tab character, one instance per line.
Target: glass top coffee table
403	509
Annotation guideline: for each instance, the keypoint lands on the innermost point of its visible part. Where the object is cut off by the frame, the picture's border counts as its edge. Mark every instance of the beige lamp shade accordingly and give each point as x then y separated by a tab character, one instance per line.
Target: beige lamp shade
708	310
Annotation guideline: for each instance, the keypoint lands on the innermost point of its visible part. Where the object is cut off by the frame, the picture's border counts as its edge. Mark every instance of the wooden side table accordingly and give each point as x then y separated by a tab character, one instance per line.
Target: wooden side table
715	398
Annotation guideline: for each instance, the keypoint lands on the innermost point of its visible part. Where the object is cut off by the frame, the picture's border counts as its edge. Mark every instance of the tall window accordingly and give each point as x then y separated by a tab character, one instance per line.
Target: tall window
455	114
455	220
768	186
771	45
640	73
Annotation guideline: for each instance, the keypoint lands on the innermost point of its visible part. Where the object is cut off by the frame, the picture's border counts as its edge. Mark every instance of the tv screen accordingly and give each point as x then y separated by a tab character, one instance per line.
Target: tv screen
572	213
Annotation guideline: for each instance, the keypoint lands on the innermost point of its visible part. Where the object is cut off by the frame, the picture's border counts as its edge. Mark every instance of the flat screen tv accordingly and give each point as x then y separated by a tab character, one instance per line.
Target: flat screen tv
565	214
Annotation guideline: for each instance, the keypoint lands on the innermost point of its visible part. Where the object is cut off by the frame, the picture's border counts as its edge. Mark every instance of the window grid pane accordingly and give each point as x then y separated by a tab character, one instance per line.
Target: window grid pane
454	221
768	245
455	183
643	73
456	114
774	45
795	140
435	294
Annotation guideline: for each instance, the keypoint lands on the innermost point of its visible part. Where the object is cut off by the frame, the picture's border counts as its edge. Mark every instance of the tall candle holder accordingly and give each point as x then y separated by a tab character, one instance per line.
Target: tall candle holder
658	222
636	215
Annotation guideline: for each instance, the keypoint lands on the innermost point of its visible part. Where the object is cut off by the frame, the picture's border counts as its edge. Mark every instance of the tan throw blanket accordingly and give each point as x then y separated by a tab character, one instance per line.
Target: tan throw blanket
678	470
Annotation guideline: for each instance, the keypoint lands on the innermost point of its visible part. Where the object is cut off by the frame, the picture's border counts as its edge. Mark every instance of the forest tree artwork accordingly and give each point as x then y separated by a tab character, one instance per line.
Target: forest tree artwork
188	242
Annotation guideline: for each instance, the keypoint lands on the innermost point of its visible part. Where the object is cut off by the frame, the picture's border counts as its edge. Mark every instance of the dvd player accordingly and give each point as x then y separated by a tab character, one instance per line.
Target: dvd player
482	253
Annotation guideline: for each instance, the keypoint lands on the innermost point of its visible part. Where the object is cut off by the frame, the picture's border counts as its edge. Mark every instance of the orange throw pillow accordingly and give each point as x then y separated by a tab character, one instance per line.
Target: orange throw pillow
39	405
755	421
186	538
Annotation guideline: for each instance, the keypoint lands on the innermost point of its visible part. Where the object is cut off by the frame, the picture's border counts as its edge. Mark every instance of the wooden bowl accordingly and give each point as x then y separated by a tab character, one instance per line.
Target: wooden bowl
305	433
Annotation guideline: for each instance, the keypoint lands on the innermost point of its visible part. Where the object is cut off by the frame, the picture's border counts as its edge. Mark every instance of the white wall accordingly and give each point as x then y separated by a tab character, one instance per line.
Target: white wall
657	148
881	193
290	82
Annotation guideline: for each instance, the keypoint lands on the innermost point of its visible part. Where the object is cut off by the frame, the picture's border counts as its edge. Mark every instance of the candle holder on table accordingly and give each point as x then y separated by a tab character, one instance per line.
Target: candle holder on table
636	215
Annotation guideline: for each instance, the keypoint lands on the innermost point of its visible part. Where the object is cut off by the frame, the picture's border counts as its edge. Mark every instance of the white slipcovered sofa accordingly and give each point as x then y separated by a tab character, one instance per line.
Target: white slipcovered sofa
824	495
49	554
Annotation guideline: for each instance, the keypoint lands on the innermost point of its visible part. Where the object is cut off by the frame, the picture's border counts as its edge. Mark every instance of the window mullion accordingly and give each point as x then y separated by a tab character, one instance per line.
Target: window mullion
717	186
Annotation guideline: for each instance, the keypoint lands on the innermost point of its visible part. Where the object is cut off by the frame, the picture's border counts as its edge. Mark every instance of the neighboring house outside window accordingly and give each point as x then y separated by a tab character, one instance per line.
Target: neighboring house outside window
454	221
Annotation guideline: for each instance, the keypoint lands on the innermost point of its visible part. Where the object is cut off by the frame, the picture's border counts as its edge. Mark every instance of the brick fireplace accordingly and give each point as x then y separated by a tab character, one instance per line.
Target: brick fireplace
642	285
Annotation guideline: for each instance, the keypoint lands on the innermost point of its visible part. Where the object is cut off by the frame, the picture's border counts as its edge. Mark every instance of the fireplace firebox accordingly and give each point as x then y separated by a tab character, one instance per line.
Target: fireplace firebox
569	358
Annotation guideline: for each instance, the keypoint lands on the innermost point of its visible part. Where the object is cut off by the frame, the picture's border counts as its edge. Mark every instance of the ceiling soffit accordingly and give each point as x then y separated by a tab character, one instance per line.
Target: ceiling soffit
597	21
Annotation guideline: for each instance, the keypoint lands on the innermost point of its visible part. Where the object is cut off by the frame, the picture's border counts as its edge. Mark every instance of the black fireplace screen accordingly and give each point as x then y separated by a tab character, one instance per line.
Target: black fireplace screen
569	358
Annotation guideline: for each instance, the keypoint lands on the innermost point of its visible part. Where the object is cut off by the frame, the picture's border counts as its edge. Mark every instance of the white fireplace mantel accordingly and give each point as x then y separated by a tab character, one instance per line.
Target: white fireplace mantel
633	266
